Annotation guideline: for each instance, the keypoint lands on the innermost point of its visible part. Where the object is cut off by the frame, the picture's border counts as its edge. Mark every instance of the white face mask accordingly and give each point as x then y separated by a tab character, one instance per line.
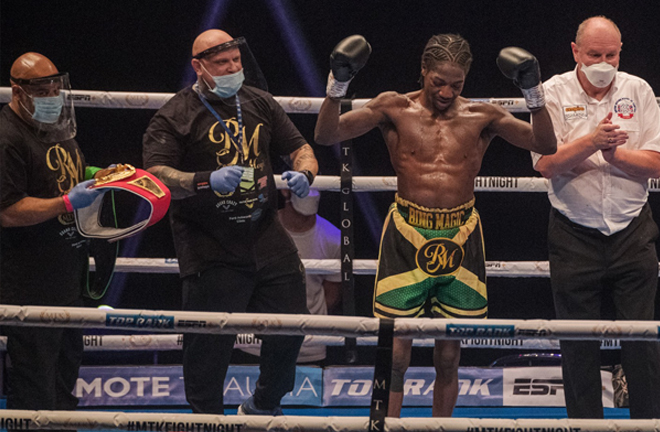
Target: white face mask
307	206
600	74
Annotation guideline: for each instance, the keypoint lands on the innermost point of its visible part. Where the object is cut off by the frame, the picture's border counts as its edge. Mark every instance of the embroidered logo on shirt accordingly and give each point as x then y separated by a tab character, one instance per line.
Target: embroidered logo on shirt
575	112
625	108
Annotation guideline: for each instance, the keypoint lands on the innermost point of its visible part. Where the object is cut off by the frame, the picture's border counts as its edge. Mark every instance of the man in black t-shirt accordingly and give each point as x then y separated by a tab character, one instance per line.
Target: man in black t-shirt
43	258
211	145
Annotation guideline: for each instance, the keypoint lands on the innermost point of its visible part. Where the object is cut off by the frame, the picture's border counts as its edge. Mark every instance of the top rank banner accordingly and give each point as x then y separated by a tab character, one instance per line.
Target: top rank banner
344	386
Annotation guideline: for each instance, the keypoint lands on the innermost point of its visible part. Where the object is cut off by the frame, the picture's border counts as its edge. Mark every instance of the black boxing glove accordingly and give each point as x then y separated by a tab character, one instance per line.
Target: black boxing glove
523	68
348	57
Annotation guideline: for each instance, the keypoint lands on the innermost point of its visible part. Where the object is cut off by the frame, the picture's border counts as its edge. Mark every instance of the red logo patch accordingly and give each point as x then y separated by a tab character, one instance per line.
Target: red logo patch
625	108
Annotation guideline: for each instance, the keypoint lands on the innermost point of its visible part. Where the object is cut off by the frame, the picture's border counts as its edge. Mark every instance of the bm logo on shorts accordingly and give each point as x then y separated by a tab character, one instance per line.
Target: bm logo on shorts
439	257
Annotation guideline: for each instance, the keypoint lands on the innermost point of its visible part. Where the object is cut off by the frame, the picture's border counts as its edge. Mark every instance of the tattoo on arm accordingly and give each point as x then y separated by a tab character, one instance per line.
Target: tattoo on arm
304	159
180	183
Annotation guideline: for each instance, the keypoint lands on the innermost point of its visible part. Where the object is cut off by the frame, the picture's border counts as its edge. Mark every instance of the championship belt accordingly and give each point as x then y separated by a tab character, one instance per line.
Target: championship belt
124	178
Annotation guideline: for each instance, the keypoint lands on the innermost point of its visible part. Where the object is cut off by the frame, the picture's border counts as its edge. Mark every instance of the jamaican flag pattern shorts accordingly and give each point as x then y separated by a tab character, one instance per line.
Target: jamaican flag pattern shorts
431	263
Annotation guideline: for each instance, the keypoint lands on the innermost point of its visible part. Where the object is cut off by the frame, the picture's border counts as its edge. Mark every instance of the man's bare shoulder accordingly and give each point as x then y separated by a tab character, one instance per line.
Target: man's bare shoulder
391	99
485	108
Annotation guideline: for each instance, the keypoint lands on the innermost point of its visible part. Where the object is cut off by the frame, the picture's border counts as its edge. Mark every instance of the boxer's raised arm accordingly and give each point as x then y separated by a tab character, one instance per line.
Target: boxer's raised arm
332	128
347	58
523	68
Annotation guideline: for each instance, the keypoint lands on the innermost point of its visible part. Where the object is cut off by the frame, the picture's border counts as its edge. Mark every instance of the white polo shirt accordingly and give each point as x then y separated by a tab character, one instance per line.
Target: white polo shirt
596	194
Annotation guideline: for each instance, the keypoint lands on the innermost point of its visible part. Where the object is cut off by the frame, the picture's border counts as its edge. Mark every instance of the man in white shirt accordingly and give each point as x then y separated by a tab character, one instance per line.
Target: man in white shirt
315	238
601	233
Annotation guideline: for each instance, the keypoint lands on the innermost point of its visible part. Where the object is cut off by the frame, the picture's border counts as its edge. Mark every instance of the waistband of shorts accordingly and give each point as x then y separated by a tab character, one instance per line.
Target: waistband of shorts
434	218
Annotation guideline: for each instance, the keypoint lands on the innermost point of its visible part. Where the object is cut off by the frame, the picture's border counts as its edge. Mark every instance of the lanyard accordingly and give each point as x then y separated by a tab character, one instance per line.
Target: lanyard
237	140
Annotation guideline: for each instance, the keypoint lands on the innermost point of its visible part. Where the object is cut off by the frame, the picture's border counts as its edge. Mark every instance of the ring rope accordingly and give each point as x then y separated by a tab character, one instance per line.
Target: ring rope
506	269
173	342
287	324
166	422
333	266
481	184
389	184
293	105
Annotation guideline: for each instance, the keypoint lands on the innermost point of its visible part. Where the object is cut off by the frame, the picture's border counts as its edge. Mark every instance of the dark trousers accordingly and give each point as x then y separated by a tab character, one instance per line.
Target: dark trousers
277	288
44	367
586	266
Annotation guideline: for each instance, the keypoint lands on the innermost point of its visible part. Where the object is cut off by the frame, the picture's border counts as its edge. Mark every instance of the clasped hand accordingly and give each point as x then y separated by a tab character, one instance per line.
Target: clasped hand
607	135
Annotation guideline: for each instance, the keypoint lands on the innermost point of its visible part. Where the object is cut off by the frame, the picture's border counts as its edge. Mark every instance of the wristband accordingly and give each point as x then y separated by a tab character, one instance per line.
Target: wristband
336	89
202	181
67	203
309	175
534	97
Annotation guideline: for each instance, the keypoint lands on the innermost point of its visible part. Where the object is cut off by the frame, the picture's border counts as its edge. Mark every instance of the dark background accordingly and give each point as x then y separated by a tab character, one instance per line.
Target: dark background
145	46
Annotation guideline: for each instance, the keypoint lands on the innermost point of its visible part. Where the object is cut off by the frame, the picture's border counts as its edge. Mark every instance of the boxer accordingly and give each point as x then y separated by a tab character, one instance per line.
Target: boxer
431	260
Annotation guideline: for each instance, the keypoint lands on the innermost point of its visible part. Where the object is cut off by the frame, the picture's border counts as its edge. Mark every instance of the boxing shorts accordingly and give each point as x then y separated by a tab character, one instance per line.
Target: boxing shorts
431	263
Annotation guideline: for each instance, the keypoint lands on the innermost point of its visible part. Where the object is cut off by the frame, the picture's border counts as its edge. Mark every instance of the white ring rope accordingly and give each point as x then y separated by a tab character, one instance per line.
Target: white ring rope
159	342
165	422
286	324
389	184
517	269
173	342
481	184
292	105
509	269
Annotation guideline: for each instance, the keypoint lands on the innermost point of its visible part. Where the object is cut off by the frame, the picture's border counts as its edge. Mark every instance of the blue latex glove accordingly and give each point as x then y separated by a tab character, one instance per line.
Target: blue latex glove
80	196
297	182
226	179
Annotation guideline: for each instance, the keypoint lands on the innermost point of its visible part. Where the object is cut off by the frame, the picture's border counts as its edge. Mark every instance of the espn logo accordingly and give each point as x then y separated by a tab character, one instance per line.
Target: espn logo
537	386
191	324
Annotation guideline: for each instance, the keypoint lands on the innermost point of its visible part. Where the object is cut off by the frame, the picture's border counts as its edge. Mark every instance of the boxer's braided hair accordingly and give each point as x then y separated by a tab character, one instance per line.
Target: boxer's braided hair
446	48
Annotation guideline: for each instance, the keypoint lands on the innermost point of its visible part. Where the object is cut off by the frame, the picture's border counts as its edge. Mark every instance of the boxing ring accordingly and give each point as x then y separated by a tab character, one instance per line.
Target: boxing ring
325	330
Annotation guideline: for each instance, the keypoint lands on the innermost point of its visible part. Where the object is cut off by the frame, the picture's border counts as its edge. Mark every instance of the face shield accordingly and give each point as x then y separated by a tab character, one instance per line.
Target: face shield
48	106
226	86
